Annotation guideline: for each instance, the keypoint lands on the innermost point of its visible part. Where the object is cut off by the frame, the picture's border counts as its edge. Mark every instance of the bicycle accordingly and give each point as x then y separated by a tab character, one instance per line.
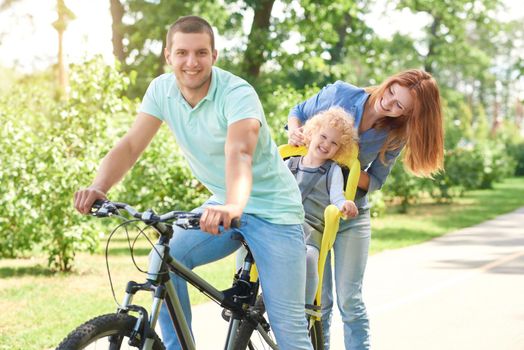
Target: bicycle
243	306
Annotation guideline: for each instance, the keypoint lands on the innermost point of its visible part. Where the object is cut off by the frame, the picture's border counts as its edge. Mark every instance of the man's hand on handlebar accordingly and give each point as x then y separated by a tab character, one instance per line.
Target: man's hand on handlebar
85	198
215	216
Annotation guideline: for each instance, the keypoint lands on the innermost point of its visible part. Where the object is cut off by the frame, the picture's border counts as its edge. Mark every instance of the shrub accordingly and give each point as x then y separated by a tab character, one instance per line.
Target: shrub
516	151
474	166
377	204
51	149
400	184
277	105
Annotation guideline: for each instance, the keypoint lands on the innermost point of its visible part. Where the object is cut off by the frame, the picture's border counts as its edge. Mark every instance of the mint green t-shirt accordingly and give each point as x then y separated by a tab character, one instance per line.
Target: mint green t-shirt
201	134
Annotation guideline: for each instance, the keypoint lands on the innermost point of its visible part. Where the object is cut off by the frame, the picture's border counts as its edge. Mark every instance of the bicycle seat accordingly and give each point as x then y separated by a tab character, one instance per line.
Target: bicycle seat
331	214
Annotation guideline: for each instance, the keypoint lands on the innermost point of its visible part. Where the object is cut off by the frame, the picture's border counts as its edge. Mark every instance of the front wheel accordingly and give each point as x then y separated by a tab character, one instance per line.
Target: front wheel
112	331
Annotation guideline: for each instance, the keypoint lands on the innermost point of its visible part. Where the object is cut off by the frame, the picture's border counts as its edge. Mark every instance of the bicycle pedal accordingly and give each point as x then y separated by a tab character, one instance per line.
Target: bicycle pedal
226	314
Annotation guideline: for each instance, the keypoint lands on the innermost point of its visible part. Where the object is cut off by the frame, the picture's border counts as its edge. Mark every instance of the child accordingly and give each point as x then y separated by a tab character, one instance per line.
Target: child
329	136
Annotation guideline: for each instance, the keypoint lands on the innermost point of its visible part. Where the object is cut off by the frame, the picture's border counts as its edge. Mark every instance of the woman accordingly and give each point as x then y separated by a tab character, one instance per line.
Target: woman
403	112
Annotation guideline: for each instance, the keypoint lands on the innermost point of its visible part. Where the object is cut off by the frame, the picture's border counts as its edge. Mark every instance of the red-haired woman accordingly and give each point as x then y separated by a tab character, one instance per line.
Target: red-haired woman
402	113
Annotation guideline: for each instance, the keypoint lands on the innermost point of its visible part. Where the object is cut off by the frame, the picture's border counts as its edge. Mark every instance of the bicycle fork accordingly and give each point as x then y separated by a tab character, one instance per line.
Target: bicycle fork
159	283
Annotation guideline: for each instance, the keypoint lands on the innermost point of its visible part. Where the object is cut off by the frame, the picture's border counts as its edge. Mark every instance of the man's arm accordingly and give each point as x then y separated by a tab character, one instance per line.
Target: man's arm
241	141
118	161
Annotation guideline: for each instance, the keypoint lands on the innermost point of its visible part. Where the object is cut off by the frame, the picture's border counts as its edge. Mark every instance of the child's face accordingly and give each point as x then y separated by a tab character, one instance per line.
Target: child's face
325	143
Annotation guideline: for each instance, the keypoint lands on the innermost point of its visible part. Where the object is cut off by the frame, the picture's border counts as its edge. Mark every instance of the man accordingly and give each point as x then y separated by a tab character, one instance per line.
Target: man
219	124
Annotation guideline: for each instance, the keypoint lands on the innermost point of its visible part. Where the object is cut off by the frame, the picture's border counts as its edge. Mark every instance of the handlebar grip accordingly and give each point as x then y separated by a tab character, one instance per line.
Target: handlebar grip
235	223
98	203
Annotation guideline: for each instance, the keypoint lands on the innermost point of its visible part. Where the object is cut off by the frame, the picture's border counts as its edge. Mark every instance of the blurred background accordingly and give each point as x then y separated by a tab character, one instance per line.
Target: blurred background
73	72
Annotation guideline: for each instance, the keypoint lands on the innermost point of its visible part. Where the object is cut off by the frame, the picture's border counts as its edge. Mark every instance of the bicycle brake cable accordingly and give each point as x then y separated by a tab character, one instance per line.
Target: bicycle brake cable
107	255
131	249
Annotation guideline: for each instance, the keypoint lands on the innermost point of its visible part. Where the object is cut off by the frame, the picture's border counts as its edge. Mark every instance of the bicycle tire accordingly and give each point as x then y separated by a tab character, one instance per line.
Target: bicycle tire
316	334
103	327
246	329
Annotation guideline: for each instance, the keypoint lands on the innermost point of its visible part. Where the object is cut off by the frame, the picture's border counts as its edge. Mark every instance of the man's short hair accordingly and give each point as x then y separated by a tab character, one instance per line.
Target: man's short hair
190	24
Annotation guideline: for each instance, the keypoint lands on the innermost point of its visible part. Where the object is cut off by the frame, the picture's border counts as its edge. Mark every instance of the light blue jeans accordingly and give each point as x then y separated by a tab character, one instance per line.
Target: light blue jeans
279	252
351	255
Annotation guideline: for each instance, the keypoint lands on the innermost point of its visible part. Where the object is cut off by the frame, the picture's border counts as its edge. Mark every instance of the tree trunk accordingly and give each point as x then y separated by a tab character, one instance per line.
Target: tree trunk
161	60
257	39
63	79
117	13
428	67
64	16
519	114
336	52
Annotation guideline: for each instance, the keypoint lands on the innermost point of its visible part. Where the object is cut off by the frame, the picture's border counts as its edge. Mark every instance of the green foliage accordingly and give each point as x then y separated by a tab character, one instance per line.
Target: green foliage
51	149
377	203
161	179
277	102
468	166
403	185
17	162
474	166
516	151
146	27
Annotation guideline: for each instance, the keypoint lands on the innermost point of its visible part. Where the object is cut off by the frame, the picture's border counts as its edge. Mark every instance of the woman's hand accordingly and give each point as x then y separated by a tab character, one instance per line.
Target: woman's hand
296	137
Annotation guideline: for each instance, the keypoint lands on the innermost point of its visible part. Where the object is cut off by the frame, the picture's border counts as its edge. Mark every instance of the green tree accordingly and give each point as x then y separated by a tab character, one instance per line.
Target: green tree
143	27
50	149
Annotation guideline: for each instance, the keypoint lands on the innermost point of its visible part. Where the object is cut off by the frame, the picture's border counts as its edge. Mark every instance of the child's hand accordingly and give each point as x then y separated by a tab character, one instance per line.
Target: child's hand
349	209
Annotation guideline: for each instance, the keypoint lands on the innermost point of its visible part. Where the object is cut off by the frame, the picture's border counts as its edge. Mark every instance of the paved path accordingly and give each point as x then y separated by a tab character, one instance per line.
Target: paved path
461	291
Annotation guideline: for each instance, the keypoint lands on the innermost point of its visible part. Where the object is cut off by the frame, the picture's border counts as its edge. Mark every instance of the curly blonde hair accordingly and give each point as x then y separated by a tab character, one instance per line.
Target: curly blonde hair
339	119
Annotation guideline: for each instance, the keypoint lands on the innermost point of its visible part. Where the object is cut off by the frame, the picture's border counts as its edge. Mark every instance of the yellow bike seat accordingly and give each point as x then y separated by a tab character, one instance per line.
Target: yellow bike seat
331	214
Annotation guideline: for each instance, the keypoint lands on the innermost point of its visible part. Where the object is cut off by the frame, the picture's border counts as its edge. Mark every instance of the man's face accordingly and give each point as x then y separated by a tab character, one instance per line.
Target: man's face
191	58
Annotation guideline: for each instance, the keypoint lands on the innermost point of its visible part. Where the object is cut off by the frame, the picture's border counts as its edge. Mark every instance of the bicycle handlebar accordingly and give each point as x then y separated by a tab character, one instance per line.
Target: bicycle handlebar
105	208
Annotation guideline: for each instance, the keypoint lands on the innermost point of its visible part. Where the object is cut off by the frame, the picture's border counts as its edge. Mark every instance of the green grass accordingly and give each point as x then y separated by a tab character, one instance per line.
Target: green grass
429	220
39	308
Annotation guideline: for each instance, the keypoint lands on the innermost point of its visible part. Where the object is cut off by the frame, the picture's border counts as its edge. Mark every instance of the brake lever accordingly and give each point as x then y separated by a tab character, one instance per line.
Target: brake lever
103	208
194	222
188	222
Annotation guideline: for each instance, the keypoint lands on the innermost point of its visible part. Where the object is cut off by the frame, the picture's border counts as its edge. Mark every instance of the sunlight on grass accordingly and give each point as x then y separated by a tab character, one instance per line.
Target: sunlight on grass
426	221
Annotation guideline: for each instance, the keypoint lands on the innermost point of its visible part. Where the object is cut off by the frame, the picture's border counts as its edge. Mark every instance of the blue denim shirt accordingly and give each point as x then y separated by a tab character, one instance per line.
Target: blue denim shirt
352	99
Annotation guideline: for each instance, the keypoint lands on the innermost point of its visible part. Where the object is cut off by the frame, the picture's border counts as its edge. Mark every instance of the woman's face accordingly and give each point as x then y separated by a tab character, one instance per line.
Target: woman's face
395	102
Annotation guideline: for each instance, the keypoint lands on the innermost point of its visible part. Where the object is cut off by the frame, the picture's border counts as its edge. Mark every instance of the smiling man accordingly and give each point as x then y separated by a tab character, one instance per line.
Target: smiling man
219	124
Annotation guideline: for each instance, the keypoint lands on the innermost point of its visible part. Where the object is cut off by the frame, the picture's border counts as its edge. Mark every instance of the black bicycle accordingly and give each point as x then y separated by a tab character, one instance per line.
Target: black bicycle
133	326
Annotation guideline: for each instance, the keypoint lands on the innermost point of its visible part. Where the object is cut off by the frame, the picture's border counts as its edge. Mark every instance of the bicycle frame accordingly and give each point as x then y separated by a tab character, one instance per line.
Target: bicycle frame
159	282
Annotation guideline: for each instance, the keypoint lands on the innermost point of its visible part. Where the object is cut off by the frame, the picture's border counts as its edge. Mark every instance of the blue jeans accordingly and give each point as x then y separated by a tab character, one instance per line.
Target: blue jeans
279	251
351	255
